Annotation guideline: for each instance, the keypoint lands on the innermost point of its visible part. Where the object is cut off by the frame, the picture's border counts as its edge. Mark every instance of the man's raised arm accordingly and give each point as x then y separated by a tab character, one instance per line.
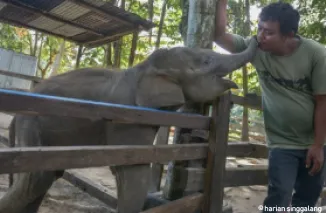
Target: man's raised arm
229	42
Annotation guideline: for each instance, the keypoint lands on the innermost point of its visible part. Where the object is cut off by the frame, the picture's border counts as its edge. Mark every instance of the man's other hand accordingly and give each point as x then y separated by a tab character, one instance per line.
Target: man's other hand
315	157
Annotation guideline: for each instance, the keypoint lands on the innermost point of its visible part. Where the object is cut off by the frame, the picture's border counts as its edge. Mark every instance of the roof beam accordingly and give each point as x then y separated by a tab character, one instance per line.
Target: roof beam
111	37
19	5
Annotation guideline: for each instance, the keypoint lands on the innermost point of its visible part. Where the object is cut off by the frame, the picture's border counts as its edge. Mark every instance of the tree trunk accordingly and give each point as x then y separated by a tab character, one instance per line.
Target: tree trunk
108	56
236	23
35	44
160	28
245	116
117	45
40	55
79	55
57	60
50	61
183	26
201	23
197	28
133	48
150	17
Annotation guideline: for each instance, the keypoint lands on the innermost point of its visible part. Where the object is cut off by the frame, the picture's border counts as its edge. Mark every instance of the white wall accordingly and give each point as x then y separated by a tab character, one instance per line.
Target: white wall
18	63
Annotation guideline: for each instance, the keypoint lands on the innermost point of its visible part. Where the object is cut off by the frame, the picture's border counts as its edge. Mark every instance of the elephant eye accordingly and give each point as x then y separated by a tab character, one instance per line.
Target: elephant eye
207	60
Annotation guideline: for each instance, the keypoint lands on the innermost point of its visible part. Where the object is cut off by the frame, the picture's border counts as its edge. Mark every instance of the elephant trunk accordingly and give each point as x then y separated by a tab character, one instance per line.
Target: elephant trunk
229	63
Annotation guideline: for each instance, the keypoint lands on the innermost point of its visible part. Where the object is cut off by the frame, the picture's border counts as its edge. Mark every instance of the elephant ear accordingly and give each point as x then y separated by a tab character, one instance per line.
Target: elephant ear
158	91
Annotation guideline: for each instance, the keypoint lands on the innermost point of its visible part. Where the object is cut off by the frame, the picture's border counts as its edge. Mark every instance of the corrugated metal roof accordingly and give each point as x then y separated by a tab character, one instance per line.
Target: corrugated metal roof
100	23
68	30
69	10
46	23
88	22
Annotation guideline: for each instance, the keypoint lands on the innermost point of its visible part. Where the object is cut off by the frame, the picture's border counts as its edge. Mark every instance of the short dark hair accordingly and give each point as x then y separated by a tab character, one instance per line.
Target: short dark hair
283	13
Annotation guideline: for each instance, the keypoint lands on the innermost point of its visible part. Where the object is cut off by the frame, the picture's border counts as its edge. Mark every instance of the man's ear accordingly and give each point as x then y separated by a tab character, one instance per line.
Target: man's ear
158	91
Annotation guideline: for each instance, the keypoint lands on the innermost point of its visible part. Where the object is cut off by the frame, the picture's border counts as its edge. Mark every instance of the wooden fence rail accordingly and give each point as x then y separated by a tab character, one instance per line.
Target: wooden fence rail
250	101
71	107
253	102
56	158
26	159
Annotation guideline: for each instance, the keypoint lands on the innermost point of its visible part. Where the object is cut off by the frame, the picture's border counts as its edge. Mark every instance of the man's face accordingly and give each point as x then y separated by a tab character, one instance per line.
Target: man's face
269	36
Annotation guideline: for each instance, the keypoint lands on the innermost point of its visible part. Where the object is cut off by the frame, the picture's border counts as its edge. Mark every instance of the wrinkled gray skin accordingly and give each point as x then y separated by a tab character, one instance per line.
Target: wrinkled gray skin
167	79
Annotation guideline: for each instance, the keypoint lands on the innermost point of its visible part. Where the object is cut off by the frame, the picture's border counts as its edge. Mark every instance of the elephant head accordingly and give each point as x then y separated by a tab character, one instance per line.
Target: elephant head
171	77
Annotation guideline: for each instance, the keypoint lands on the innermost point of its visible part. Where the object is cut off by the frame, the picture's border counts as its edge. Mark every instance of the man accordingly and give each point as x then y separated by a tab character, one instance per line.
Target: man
292	75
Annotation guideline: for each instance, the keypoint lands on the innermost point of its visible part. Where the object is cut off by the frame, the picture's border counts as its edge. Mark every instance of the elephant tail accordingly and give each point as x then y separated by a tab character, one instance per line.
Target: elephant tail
27	189
27	192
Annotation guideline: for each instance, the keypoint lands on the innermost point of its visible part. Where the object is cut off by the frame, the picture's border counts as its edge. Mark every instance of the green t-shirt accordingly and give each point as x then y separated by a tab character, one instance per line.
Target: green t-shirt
288	85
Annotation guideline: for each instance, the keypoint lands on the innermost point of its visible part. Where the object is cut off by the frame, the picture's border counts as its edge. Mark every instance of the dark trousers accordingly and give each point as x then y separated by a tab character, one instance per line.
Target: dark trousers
287	172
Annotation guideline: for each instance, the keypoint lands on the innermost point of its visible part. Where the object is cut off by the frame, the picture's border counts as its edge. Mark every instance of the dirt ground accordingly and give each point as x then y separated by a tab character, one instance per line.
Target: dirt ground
64	197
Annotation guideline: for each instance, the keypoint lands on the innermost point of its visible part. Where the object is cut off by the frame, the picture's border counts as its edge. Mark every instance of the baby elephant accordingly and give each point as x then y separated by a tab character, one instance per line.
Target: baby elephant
167	79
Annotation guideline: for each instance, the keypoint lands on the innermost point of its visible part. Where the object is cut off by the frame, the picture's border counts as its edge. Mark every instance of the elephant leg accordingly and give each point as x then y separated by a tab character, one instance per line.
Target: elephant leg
132	185
27	192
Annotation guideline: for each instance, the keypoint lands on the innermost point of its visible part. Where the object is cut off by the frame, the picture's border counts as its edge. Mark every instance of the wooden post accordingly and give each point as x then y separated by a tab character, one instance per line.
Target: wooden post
217	152
162	138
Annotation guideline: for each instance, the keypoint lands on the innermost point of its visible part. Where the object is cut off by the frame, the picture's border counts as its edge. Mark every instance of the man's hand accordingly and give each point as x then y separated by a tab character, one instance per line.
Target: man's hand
315	157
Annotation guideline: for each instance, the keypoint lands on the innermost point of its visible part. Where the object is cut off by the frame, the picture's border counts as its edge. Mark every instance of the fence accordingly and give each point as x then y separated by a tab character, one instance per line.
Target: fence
210	180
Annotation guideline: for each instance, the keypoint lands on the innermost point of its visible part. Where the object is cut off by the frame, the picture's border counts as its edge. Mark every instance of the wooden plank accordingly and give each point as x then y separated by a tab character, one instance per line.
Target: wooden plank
251	101
246	176
188	204
260	150
194	178
162	138
19	75
217	153
239	149
71	107
26	159
91	188
153	200
247	149
101	193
